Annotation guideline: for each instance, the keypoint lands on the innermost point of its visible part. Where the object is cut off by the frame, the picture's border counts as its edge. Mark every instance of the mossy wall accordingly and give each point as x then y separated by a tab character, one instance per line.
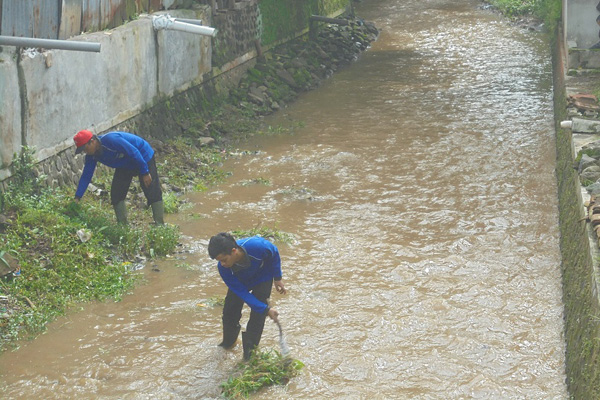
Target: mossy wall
329	7
282	19
582	310
267	22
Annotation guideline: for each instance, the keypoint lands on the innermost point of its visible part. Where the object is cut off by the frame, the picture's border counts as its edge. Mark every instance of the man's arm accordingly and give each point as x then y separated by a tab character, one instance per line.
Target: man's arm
86	176
242	291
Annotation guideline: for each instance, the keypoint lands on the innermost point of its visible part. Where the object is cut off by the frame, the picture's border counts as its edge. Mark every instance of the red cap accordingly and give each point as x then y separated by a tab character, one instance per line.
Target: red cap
81	138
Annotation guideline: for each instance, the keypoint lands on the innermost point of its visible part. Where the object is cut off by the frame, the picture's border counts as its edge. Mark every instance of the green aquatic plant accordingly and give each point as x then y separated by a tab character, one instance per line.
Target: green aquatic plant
264	368
256	181
268	233
216	301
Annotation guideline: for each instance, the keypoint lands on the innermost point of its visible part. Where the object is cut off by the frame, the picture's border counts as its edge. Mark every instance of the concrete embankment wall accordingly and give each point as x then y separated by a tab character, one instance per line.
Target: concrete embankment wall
580	295
50	95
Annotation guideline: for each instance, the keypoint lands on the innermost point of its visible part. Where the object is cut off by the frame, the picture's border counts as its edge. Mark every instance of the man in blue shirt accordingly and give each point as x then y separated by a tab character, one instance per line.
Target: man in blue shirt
248	267
129	155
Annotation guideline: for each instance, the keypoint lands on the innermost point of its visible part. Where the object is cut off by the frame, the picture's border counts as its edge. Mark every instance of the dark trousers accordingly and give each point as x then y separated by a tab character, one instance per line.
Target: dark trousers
232	311
122	180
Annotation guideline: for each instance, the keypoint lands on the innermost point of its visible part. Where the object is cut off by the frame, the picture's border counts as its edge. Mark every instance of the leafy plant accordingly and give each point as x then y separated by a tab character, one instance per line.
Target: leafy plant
267	233
162	239
265	368
171	202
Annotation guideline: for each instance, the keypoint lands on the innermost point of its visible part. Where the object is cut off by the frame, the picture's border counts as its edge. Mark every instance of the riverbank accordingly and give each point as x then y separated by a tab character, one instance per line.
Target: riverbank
55	253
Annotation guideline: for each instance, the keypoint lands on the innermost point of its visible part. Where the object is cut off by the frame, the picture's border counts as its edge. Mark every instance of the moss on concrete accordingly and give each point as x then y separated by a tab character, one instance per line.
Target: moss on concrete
582	310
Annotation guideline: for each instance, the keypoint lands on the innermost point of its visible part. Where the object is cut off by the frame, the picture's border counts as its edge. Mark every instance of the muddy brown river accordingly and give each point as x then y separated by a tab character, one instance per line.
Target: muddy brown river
419	188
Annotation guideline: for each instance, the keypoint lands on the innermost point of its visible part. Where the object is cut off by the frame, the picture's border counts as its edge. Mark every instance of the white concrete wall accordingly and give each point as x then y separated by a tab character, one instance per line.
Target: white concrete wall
10	110
581	29
66	91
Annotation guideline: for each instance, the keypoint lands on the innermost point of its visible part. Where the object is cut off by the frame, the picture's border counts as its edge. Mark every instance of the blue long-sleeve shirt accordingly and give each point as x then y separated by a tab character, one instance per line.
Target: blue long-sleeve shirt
265	264
119	150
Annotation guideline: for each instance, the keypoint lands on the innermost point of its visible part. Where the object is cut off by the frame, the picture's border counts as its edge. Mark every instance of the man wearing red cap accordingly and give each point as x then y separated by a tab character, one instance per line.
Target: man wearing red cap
129	155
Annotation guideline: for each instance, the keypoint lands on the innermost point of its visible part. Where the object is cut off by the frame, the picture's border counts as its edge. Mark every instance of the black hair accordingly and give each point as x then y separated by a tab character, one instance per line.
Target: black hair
221	243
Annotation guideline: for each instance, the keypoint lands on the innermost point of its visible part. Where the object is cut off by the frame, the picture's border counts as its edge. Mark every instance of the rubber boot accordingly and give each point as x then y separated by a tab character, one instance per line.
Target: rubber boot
121	212
249	343
230	336
158	212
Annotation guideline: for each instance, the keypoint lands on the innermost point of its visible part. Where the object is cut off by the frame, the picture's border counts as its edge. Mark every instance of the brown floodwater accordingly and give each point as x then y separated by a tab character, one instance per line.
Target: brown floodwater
419	187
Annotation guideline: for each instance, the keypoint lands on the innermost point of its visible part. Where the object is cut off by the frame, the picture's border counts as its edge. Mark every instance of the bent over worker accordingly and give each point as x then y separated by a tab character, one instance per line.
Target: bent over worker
129	155
248	267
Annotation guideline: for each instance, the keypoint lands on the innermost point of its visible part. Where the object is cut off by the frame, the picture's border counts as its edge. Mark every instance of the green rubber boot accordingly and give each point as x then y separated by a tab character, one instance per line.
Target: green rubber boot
121	212
158	212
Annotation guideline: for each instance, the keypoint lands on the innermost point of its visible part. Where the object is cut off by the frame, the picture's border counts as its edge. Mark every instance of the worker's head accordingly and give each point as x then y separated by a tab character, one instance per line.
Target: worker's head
223	248
86	141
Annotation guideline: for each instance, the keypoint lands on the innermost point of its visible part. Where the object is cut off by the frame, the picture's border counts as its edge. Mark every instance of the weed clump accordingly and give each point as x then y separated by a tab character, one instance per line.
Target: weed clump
272	234
265	368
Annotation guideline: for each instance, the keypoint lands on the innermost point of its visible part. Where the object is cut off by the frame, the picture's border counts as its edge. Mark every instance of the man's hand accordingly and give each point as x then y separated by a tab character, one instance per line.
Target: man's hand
147	179
273	314
280	287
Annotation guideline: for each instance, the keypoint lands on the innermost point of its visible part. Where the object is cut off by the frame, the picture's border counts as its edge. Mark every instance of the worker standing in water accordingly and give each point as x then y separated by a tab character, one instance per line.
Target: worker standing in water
249	267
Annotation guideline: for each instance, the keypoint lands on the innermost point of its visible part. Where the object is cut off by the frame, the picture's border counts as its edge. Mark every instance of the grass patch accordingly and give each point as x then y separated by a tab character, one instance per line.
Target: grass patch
265	368
68	252
265	232
187	167
514	8
549	11
162	239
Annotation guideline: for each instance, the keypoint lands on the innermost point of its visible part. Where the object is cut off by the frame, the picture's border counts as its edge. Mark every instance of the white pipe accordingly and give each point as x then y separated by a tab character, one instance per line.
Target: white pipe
566	124
49	44
189	21
166	22
199	29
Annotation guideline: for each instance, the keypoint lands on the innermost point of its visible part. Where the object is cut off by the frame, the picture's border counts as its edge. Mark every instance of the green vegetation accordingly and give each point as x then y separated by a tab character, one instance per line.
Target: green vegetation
514	8
268	233
216	301
265	368
256	181
162	240
548	11
68	252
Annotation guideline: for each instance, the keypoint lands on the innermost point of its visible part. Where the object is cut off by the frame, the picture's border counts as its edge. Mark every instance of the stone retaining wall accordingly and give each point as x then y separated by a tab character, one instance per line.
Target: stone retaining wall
48	96
580	296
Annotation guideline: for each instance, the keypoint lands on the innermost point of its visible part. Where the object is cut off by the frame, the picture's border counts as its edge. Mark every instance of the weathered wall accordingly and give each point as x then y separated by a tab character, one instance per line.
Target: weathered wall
580	296
580	23
10	110
51	95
